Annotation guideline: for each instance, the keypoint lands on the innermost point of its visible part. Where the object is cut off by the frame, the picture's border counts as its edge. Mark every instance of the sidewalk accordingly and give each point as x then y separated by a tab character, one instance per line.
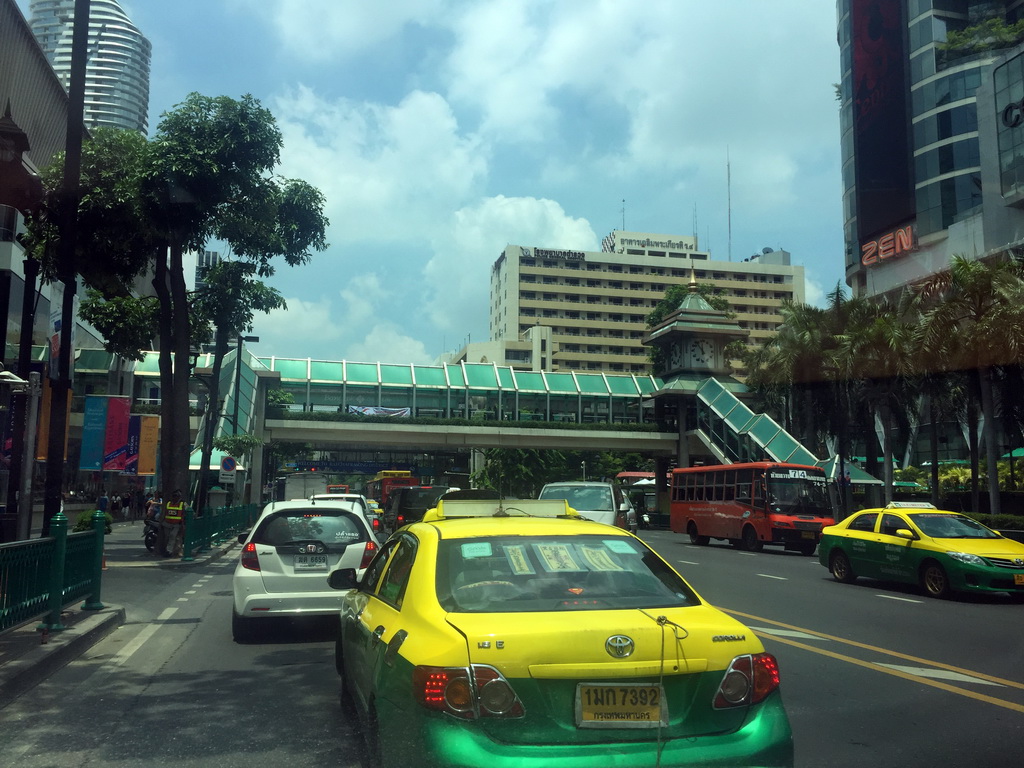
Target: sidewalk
28	656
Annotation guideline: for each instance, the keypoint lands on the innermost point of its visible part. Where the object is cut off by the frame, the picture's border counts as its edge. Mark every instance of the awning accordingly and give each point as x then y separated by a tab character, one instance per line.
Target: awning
857	475
216	457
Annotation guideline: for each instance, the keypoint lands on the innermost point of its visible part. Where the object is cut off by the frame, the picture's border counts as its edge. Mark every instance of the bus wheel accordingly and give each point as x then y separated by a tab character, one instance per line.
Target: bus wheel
750	541
808	547
695	538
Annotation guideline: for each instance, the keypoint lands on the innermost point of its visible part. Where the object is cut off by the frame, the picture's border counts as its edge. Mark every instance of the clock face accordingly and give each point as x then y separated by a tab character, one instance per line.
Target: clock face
702	351
675	356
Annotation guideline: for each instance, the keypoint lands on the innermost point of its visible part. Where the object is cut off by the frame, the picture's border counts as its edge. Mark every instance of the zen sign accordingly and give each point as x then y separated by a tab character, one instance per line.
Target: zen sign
891	245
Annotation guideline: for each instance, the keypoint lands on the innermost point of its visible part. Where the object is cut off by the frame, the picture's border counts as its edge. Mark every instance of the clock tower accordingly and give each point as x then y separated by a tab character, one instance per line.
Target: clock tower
693	338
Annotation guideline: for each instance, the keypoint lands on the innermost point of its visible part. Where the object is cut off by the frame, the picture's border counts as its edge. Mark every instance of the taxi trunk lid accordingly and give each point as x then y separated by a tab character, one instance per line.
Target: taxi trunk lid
609	674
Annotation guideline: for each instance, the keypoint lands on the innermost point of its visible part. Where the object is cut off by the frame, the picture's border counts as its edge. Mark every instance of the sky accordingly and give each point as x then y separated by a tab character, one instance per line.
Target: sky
441	131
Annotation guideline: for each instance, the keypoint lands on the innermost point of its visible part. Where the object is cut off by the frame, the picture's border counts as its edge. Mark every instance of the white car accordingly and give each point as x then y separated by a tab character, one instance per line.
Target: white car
594	500
287	555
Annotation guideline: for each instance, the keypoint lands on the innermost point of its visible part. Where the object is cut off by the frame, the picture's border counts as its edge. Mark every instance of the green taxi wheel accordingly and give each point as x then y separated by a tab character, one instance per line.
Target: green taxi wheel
934	580
839	565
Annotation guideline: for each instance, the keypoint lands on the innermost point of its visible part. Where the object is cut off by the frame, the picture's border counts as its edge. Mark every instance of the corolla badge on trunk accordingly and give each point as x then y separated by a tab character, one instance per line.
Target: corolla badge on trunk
619	646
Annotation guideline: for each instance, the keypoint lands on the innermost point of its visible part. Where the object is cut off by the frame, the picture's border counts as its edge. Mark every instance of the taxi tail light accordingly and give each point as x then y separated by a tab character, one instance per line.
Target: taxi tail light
249	558
467	693
748	680
368	552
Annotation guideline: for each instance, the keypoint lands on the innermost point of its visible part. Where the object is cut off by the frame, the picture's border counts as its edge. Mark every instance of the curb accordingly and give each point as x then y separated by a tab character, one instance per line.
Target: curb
28	670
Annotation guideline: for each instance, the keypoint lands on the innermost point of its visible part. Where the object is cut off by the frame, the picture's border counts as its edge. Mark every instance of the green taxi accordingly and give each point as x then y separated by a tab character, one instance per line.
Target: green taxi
517	634
944	552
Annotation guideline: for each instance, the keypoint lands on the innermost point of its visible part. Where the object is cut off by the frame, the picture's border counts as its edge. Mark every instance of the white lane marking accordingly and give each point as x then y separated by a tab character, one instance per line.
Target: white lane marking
769	576
687	562
901	599
787	633
940	674
147	632
182	599
190	592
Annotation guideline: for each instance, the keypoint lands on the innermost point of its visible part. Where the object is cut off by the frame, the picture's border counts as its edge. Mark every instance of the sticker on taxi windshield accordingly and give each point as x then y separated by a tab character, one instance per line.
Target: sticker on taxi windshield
519	561
556	558
619	547
476	549
598	559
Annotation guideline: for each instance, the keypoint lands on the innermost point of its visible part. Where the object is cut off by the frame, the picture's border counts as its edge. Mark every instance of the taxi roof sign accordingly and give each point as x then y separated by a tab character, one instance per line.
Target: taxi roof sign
909	505
500	508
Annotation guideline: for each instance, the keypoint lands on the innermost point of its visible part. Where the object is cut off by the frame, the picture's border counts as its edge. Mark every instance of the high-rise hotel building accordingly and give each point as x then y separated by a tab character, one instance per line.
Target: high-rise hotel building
564	310
117	69
932	136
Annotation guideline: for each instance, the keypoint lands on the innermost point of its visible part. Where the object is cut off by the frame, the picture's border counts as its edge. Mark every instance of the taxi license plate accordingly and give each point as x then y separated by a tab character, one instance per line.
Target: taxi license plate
620	706
311	562
1018	579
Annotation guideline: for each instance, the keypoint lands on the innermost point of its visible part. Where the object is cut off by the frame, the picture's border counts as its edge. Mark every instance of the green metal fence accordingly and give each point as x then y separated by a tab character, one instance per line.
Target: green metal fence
216	526
38	577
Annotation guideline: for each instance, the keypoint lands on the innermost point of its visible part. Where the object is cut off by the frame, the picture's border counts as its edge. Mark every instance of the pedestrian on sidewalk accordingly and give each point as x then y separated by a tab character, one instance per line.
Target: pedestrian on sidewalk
173	525
154	511
115	507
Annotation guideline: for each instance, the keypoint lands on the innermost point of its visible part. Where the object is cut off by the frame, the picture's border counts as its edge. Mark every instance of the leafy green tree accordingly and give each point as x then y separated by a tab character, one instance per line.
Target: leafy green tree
207	174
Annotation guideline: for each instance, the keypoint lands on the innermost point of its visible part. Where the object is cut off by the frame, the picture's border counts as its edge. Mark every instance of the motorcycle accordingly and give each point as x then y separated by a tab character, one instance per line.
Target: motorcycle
645	520
150	533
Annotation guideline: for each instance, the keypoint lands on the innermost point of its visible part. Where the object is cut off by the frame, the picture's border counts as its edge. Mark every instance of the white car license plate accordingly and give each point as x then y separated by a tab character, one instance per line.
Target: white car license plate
311	562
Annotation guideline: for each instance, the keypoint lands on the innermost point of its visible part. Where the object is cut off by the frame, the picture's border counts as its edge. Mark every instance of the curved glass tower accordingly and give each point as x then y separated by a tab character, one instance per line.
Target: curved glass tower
117	72
911	156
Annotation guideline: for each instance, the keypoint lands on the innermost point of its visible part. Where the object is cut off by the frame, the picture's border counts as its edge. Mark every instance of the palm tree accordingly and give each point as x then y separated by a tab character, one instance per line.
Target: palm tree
975	322
876	349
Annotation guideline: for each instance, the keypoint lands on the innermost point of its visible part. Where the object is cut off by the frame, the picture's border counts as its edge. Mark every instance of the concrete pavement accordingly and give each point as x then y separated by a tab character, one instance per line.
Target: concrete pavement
28	656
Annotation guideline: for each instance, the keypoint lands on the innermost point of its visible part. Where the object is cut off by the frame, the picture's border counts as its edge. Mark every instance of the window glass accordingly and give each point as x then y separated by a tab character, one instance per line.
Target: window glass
373	571
396	577
864	522
331	527
554	573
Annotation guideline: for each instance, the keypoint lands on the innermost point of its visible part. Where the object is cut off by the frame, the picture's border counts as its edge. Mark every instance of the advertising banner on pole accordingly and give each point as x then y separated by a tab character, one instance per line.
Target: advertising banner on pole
149	435
115	444
94	425
131	457
42	439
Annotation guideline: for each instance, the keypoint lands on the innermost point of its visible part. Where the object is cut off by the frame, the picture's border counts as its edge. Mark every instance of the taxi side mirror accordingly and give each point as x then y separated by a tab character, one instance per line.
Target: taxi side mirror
906	533
343	578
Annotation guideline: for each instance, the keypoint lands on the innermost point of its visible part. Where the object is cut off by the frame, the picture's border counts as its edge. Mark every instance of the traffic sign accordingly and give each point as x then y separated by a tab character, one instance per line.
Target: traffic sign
227	469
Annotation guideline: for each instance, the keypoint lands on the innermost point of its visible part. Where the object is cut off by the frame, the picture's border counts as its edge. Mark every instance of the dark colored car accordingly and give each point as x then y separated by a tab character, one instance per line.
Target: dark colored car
409	503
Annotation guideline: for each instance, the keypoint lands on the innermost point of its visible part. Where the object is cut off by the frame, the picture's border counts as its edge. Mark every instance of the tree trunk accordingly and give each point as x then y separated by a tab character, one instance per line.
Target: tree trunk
885	416
990	438
210	419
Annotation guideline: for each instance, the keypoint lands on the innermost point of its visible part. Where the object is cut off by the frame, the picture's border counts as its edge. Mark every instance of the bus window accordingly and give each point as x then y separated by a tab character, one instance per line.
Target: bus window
759	492
730	485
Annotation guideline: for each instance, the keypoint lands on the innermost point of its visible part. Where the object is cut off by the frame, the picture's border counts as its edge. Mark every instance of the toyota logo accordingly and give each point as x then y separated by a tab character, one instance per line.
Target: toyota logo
1018	561
619	646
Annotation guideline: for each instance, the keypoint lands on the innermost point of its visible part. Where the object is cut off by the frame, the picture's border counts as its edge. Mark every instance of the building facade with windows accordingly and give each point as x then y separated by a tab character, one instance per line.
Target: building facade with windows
596	303
930	130
117	70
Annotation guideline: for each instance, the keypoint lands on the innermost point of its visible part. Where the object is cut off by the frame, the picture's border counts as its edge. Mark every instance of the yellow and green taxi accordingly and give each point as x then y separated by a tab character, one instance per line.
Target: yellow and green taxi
518	634
944	552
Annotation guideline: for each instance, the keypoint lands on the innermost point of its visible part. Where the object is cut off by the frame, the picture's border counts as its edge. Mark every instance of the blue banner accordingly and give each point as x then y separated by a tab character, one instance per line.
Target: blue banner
94	429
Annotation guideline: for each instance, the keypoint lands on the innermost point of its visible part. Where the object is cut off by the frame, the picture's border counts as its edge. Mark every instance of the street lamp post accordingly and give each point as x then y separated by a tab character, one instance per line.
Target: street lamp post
583	466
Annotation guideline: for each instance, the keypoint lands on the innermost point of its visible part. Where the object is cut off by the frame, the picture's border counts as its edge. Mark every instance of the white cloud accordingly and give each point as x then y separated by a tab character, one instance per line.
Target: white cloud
388	173
458	274
282	331
386	343
322	30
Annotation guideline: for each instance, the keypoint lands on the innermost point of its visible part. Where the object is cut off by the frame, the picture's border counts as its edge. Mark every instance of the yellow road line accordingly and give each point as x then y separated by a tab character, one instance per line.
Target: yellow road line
884	651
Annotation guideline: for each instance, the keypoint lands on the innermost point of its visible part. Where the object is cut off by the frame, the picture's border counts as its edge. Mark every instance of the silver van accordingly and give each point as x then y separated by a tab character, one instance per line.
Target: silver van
600	501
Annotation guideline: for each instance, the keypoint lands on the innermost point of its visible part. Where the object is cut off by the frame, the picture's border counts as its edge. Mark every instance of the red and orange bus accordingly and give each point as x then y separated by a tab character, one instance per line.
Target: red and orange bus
337	488
754	504
380	486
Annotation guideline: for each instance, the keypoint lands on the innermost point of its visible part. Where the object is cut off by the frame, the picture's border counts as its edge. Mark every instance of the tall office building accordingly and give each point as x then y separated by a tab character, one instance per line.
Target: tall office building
562	310
932	136
117	70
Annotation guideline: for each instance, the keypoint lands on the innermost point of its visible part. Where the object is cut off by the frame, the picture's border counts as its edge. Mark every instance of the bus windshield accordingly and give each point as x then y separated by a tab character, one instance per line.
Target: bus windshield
799	495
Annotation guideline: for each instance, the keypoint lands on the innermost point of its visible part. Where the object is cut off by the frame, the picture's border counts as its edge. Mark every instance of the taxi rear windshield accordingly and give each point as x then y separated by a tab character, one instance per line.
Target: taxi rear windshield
557	573
329	526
